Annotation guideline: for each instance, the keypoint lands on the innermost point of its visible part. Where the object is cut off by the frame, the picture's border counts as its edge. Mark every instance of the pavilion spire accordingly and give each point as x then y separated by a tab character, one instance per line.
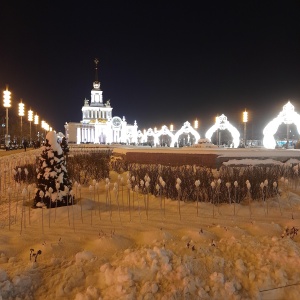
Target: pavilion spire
96	83
96	61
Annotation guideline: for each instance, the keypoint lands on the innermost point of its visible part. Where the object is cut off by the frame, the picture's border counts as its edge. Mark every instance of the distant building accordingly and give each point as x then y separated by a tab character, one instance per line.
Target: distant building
98	126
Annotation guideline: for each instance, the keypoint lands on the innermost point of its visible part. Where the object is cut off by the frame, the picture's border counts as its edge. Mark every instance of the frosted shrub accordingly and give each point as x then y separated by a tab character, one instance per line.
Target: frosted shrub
86	167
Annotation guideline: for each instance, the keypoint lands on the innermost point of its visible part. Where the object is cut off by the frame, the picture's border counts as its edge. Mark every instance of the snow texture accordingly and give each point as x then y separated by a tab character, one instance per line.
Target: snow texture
102	248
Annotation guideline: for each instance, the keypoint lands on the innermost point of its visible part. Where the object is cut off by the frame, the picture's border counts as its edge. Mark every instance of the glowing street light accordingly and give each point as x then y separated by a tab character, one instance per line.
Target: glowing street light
30	119
171	128
43	125
36	122
21	114
196	124
245	120
46	127
6	104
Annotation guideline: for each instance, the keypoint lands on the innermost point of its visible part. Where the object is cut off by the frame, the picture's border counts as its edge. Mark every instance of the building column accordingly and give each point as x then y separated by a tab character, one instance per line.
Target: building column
84	135
78	138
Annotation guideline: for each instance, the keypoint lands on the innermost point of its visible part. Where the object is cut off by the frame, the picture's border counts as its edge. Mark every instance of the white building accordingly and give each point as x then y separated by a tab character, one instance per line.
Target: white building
98	126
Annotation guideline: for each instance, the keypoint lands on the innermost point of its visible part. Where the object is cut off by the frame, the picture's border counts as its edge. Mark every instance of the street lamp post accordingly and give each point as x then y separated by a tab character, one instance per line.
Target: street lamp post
245	120
30	119
21	114
36	122
196	124
7	104
43	124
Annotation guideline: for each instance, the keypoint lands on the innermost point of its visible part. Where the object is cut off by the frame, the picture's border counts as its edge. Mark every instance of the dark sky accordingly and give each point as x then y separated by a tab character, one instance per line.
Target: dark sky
161	62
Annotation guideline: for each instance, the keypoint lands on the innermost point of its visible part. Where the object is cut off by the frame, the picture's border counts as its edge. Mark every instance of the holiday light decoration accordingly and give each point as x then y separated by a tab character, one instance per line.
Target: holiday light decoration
221	124
185	129
164	131
286	116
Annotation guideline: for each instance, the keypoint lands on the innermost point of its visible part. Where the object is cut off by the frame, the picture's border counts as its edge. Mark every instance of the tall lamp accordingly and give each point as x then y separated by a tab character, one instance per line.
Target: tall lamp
36	122
21	114
196	124
30	119
245	120
7	104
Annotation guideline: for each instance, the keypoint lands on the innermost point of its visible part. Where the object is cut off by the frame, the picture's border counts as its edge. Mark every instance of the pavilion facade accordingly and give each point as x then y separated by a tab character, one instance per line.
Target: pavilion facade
98	125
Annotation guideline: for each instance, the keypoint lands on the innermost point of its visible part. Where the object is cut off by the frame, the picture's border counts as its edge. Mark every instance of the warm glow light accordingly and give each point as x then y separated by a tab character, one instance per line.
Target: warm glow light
185	129
245	116
196	124
36	119
288	113
171	127
222	123
164	131
6	98
21	109
287	116
30	115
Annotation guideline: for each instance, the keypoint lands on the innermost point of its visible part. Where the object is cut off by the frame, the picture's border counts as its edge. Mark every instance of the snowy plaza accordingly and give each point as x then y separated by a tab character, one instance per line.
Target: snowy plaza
112	245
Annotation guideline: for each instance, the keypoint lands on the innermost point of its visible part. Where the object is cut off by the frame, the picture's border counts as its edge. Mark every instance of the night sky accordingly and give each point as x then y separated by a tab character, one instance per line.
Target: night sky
161	62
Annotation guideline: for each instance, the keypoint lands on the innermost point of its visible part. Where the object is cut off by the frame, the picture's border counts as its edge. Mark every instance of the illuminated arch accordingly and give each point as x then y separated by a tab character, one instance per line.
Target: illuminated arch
129	138
164	131
186	128
286	116
150	133
140	137
222	123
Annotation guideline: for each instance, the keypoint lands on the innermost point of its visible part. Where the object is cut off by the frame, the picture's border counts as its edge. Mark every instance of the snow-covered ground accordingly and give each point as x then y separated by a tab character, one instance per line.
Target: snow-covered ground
104	248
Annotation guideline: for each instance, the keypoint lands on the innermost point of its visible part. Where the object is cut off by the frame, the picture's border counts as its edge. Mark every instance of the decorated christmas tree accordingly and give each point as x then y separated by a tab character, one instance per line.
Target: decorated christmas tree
54	188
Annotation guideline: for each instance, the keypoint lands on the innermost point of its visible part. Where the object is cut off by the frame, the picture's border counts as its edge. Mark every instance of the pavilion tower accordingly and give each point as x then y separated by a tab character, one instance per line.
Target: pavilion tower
96	93
96	111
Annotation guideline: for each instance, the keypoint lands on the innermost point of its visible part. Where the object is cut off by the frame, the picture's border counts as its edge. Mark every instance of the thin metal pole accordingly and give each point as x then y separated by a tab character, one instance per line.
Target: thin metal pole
245	130
6	121
30	132
21	129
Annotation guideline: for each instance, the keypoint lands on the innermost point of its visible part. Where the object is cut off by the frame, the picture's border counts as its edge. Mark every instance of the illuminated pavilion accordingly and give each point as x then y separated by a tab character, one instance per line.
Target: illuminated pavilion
98	125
